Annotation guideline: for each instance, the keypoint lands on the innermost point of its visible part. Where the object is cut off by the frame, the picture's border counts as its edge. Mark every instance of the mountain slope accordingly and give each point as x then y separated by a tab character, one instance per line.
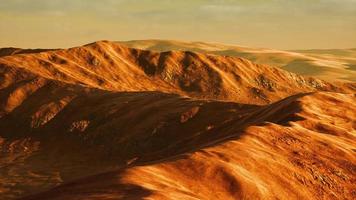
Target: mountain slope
105	121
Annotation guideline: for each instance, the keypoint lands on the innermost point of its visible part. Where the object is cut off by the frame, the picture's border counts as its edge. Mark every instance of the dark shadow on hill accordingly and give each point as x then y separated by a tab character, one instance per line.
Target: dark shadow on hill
98	131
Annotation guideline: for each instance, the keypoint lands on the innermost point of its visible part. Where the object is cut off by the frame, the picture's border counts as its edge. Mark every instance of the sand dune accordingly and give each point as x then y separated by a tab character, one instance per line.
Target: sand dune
104	121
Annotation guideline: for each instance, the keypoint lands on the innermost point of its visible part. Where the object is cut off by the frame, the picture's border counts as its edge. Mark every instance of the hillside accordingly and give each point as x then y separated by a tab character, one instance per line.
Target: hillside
307	153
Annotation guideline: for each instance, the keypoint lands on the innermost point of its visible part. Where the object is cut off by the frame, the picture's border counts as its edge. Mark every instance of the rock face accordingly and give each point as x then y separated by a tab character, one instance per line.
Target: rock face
104	121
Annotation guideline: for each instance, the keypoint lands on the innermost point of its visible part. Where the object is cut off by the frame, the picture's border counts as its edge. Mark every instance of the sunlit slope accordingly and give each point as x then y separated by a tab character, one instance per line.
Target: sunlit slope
333	64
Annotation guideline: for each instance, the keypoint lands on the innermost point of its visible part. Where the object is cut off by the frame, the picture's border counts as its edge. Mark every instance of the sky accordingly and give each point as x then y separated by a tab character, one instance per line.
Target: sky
280	24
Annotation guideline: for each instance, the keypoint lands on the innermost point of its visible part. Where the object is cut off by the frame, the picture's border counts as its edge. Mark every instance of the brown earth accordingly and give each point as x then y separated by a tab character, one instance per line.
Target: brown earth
104	121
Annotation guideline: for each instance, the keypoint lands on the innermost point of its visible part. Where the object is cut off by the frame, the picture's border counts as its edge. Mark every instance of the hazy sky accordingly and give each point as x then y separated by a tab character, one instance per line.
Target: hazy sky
283	24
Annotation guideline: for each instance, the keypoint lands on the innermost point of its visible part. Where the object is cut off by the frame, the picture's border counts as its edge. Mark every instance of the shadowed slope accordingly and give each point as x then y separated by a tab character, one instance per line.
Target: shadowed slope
58	132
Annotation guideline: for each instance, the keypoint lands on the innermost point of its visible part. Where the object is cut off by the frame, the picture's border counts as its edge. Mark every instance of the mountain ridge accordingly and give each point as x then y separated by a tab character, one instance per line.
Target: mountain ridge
87	65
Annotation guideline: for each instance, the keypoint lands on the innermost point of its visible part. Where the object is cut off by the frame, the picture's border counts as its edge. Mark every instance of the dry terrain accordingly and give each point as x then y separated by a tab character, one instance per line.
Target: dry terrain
104	121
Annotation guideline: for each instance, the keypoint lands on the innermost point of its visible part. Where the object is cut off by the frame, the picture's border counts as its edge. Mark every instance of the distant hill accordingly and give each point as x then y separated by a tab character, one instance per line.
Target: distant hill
332	64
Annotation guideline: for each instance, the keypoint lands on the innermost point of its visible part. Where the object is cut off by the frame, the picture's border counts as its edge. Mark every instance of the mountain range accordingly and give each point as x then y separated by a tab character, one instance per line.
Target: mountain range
177	120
